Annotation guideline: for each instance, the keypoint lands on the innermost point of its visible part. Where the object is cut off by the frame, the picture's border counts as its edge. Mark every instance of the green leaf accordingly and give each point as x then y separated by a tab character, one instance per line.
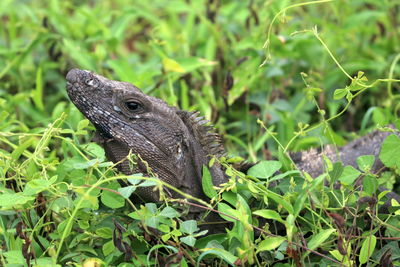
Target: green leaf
83	224
379	116
344	259
207	184
38	185
340	93
222	254
171	65
108	248
189	226
164	228
95	150
226	209
320	238
366	162
188	240
370	184
83	124
265	169
112	199
269	214
190	64
270	243
169	213
390	155
10	200
136	178
349	96
355	86
127	191
104	232
37	94
336	172
367	248
14	257
280	200
349	175
79	163
147	183
22	147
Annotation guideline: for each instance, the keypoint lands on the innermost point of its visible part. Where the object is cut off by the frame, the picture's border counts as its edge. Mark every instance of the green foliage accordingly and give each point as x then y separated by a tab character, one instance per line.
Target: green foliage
60	200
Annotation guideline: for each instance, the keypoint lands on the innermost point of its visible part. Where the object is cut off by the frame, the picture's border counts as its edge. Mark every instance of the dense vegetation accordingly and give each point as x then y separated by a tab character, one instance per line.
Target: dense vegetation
272	76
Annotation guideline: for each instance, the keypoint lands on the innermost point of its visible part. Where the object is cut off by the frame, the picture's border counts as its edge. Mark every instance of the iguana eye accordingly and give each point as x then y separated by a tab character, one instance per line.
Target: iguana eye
132	105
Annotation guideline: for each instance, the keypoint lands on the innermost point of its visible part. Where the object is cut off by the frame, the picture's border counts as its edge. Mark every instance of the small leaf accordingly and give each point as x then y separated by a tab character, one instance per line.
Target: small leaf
189	227
8	200
221	253
188	240
349	96
136	178
108	248
37	94
370	184
270	243
380	116
104	232
79	163
147	183
390	155
340	93
366	162
336	172
228	210
169	212
206	182
171	65
269	214
95	150
37	185
14	258
320	238
83	124
281	201
265	169
127	191
349	175
367	248
112	200
164	228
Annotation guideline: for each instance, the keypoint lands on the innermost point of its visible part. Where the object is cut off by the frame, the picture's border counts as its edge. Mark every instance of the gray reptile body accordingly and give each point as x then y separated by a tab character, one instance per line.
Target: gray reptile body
176	144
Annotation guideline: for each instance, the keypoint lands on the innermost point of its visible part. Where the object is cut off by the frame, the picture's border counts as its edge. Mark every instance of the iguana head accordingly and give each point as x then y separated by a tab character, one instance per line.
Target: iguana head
174	143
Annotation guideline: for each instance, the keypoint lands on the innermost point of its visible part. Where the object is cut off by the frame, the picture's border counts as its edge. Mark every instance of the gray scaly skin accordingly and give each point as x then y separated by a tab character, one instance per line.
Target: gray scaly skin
312	160
176	144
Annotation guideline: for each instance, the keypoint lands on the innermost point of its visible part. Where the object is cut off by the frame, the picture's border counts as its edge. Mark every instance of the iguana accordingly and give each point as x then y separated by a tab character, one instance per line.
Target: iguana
176	144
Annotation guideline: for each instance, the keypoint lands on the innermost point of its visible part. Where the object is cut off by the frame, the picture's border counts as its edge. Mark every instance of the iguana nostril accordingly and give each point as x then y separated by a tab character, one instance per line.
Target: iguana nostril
89	82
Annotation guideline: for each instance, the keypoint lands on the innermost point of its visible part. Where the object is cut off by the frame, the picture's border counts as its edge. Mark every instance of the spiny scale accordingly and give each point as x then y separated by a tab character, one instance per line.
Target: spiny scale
209	139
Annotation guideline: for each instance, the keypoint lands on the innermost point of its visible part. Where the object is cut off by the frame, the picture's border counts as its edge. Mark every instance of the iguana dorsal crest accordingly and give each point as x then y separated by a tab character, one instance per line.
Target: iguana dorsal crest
203	132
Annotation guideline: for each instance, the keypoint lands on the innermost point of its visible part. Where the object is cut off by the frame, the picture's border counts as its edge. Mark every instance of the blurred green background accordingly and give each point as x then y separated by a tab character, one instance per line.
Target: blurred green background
205	55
